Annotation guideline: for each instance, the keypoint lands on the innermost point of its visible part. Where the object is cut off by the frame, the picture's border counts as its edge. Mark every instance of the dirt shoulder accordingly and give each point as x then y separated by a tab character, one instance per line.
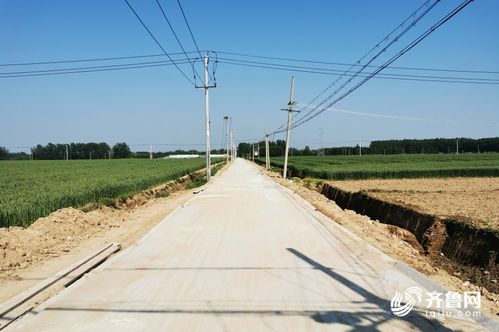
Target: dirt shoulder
469	199
396	242
50	244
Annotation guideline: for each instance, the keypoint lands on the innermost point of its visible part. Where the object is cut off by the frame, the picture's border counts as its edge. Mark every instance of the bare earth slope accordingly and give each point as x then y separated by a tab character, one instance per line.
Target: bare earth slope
473	199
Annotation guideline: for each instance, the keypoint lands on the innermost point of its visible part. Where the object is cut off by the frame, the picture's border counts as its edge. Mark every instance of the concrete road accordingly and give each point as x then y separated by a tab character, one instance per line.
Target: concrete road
245	254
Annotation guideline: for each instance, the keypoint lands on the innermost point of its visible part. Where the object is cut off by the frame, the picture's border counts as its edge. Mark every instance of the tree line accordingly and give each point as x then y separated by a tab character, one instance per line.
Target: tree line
435	145
122	150
53	151
89	151
403	146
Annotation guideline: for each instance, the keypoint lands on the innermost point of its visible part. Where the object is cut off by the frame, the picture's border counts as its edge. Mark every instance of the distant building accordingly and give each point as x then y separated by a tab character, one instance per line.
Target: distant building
182	156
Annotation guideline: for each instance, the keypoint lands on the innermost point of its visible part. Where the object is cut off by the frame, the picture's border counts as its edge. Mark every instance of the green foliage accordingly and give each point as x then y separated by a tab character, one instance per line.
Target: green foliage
33	189
4	153
197	182
403	146
392	166
75	151
435	145
121	150
106	201
276	148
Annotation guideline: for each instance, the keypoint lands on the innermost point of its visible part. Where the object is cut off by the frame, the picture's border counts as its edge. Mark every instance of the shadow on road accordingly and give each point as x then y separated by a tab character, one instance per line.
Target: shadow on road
365	320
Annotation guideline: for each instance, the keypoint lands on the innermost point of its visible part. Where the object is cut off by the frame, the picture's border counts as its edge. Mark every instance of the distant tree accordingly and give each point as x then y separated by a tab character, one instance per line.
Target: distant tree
244	149
4	153
121	150
18	156
307	151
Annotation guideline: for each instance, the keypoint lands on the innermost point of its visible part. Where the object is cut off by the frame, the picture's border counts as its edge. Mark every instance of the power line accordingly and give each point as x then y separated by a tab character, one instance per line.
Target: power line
212	77
89	60
394	40
157	42
313	70
358	65
391	60
178	40
244	55
326	71
376	46
189	27
412	119
89	69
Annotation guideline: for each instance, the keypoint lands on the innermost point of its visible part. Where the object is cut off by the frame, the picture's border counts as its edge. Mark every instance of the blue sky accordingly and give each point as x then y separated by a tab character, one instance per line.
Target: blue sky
157	105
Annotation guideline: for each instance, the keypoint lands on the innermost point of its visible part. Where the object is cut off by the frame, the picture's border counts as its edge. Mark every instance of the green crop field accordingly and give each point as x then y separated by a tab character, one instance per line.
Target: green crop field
391	166
33	189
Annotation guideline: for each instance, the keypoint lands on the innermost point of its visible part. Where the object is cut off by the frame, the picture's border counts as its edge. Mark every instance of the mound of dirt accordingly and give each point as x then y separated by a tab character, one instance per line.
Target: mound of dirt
51	236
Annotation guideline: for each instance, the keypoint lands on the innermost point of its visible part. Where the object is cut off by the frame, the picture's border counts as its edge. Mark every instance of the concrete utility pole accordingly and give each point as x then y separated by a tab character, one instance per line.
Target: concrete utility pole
321	135
267	152
232	143
67	152
206	87
226	123
360	148
253	152
150	152
234	150
207	118
233	154
288	131
457	145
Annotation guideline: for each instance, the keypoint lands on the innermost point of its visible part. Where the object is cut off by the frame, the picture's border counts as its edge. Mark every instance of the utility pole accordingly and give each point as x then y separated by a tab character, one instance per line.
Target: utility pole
267	152
288	131
150	152
206	88
360	148
207	118
67	152
231	145
226	123
321	134
253	152
235	147
457	145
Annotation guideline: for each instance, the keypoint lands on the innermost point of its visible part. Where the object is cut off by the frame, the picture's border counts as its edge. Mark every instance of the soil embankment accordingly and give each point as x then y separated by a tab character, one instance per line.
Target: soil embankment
471	250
